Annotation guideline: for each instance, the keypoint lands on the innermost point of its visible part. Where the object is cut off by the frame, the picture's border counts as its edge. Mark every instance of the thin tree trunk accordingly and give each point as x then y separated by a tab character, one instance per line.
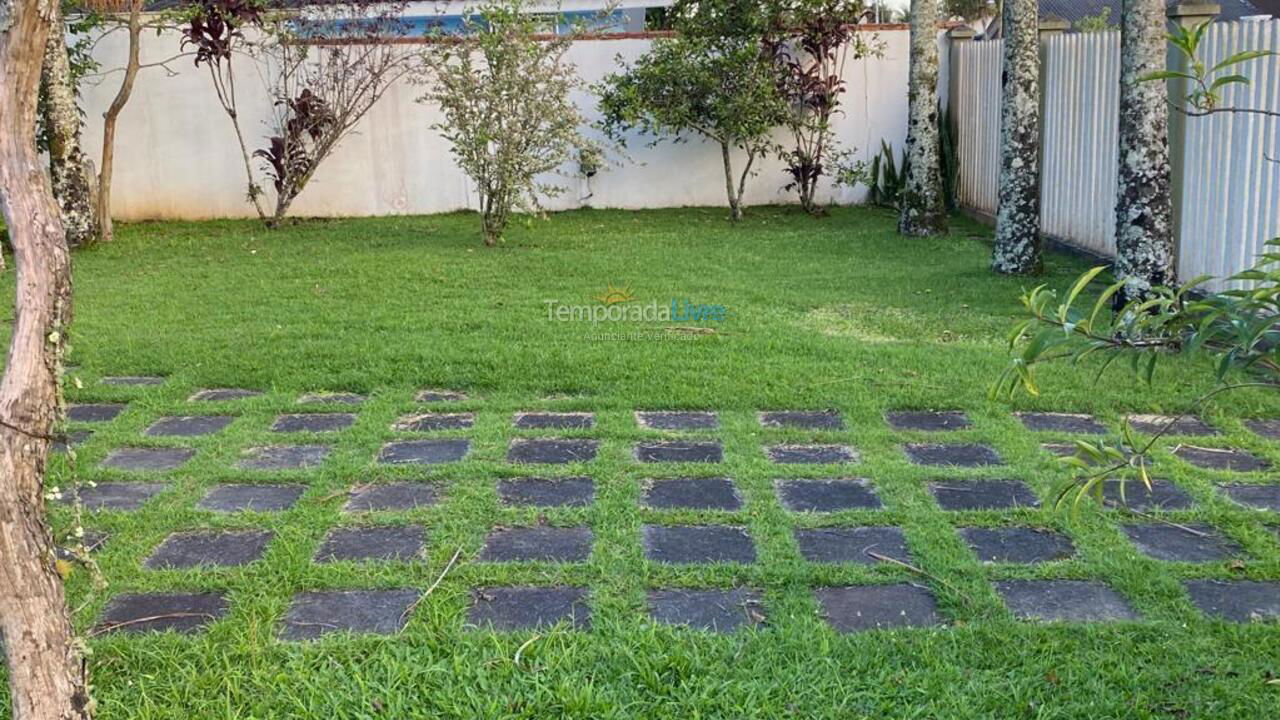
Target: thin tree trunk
735	200
68	166
47	675
1017	246
1144	209
923	207
112	115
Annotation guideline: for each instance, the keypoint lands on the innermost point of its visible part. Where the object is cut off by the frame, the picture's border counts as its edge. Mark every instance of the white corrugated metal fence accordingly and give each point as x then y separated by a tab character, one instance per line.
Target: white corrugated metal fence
1230	190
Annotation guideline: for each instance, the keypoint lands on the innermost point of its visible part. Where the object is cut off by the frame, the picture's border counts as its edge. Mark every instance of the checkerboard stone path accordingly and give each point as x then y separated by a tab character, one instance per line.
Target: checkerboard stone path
189	425
389	517
313	422
716	493
827	495
547	492
541	451
148	459
723	611
391	496
678	420
209	549
928	421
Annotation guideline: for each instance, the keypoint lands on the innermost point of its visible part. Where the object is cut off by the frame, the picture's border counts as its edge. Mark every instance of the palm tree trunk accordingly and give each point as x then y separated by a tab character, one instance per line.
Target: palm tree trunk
1144	208
68	166
1017	246
923	207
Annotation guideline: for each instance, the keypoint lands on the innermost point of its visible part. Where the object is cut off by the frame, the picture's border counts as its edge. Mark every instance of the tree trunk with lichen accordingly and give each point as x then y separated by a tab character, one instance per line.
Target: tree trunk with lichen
47	672
1017	246
1144	208
69	168
923	206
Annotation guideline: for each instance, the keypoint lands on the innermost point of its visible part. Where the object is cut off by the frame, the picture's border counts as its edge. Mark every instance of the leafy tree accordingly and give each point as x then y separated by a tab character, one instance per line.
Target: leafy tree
1095	23
714	79
504	91
809	41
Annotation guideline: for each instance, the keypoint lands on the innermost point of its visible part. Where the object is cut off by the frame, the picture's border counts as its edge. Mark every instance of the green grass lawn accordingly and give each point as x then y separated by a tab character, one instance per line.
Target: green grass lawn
836	313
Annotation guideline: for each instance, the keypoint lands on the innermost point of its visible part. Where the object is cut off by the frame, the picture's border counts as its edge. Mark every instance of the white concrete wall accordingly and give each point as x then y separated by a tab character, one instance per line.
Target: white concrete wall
176	155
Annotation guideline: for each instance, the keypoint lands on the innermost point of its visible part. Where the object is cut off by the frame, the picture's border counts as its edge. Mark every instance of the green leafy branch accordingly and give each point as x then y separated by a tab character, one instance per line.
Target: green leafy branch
1206	83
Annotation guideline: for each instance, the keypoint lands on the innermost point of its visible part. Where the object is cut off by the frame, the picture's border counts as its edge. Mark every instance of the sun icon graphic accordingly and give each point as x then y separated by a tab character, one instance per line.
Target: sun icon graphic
614	295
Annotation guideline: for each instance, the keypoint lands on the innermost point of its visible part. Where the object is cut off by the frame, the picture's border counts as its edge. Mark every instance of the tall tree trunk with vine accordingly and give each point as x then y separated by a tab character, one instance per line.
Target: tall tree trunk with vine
47	672
1017	246
1144	208
69	168
924	209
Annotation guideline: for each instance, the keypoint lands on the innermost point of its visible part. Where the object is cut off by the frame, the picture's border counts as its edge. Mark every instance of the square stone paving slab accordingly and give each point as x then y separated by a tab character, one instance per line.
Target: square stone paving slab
156	612
189	425
1162	495
537	544
223	394
1062	422
357	544
1017	544
440	395
969	455
392	496
1269	429
74	438
1071	600
548	451
1231	459
871	607
678	420
827	495
554	420
983	494
688	544
1187	425
811	454
690	452
313	422
696	493
424	452
432	422
1237	600
117	496
209	548
133	380
928	420
523	608
852	544
257	498
1191	543
147	459
547	492
96	412
722	611
284	457
802	419
1262	497
331	398
312	614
